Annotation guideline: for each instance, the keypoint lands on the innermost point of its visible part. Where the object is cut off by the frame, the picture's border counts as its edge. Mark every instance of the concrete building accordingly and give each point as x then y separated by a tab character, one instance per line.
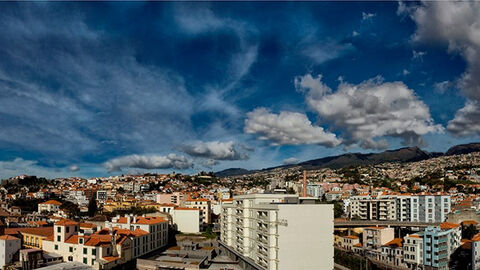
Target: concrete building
375	237
413	251
433	207
187	220
202	204
9	247
176	198
436	247
49	206
392	253
349	241
476	252
276	231
315	190
409	208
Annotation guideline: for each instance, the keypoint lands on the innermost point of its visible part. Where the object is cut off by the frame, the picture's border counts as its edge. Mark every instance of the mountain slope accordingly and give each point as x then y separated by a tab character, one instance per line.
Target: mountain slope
407	154
463	149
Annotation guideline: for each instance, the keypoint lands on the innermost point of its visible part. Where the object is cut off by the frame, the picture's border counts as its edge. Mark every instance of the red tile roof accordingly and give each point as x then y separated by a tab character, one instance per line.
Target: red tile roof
52	202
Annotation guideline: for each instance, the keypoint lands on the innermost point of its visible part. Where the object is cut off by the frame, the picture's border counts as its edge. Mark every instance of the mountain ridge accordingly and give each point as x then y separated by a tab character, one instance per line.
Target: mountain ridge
402	155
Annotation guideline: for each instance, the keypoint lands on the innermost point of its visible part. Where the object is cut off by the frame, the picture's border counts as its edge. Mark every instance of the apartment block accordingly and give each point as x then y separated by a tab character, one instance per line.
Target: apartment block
277	232
413	250
436	248
403	207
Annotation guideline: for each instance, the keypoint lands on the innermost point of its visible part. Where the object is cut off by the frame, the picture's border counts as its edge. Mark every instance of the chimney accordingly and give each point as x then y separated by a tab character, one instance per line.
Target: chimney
304	184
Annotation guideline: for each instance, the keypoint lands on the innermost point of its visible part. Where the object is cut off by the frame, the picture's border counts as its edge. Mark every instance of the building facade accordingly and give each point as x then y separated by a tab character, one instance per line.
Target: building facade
275	231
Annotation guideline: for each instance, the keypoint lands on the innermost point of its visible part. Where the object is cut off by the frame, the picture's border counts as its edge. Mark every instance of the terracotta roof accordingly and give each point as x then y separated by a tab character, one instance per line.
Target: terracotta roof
87	225
8	237
448	225
396	242
52	202
72	239
476	237
469	222
187	208
40	231
66	222
351	237
414	236
358	245
110	258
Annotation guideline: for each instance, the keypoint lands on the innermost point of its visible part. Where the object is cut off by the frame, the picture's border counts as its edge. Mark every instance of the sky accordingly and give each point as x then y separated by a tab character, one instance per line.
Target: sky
96	89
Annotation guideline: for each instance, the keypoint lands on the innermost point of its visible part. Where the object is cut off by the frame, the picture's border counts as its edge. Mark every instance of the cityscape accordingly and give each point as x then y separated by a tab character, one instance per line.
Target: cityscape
240	135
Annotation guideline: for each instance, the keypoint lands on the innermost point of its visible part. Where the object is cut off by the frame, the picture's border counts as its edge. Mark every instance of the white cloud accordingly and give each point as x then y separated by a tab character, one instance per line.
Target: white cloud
368	16
369	110
216	150
74	168
405	72
442	87
456	24
324	51
290	161
209	163
287	128
148	162
29	167
418	55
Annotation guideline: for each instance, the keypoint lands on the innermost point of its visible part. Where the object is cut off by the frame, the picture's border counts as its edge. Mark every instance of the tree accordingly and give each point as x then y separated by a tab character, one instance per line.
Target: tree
92	206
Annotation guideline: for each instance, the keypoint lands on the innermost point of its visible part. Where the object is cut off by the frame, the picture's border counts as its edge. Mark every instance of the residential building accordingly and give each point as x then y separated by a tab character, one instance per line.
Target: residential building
413	250
276	231
49	206
187	220
375	237
436	247
9	247
392	253
349	241
202	204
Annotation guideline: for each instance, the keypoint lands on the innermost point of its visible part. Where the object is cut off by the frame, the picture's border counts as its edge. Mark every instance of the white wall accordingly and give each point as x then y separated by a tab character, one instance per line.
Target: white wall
306	241
7	249
188	221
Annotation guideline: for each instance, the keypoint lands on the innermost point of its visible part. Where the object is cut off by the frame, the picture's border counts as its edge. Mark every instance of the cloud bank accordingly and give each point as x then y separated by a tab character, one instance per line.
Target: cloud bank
457	25
369	110
287	128
216	150
171	161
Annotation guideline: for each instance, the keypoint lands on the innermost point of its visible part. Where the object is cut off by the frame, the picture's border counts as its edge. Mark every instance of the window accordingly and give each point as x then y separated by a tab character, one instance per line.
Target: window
59	229
94	251
93	261
84	250
70	249
59	238
56	247
70	258
68	229
85	260
80	240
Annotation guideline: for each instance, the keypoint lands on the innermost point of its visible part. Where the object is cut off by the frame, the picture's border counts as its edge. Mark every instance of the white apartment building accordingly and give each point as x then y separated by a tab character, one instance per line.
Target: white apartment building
116	244
9	245
413	251
202	204
156	227
49	206
276	232
375	237
476	252
368	208
403	207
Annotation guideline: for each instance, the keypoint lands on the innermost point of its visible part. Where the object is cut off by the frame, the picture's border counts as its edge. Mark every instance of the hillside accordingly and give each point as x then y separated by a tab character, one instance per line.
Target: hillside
463	149
407	154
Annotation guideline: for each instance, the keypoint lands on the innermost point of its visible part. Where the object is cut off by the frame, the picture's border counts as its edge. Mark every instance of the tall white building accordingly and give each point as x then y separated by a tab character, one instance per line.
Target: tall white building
277	232
402	207
9	245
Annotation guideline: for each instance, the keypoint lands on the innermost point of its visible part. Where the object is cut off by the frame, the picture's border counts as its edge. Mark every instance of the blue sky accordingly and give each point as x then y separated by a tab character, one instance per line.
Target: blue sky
93	89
